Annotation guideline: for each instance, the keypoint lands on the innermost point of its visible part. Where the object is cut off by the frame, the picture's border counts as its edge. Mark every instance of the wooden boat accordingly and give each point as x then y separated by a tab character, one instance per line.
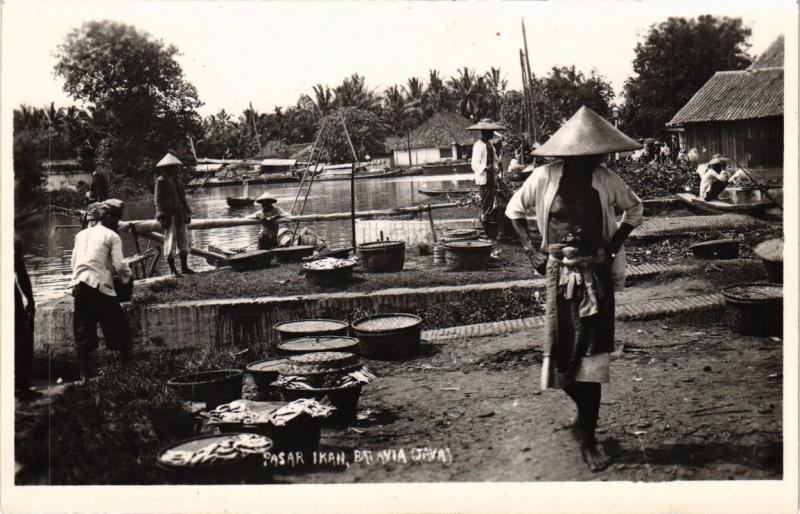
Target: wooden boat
239	202
345	175
446	168
411	172
447	192
721	206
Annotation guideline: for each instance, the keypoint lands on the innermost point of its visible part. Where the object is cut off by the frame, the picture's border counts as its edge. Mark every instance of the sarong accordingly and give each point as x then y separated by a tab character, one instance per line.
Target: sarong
177	238
579	324
489	203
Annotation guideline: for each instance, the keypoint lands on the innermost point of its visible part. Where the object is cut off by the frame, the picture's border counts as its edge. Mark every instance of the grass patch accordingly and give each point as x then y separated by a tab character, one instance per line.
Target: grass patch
101	433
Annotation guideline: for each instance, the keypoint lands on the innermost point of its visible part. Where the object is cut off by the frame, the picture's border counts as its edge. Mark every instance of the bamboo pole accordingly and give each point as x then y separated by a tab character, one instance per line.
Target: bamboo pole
352	180
214	223
155	236
530	83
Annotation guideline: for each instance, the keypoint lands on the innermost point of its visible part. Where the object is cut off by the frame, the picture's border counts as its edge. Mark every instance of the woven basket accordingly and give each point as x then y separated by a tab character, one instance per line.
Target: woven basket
310	328
330	277
211	387
388	336
319	344
467	255
321	363
383	256
771	254
757	308
264	373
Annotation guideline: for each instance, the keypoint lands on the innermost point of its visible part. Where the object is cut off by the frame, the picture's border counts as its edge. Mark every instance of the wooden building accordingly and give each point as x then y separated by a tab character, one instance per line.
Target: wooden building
441	138
739	114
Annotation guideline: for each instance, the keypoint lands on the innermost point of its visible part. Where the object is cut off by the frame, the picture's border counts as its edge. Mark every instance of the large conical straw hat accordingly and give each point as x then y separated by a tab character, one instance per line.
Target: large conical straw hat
486	124
586	133
169	160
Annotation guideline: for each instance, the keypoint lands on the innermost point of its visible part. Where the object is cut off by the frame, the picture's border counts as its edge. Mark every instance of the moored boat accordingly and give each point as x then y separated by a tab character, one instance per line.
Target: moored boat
446	168
447	192
723	204
239	202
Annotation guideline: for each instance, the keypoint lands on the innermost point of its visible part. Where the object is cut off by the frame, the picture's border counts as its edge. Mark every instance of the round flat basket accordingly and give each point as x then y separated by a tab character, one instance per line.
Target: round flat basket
467	255
321	363
388	336
336	253
319	344
292	253
241	470
310	327
383	256
264	373
757	308
248	261
462	234
211	387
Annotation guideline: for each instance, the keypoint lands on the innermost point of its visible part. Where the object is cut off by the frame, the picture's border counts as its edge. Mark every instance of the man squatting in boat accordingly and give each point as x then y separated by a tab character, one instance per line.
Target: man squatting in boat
583	260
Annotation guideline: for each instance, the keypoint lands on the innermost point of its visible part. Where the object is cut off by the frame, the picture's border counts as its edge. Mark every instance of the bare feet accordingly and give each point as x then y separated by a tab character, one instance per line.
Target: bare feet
594	457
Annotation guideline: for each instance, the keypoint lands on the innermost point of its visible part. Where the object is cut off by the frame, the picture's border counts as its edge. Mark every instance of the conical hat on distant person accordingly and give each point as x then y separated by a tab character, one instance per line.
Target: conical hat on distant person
169	160
486	124
586	133
266	197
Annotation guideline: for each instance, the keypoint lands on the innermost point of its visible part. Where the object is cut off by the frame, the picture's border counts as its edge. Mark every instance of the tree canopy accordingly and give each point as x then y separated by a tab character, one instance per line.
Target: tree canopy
673	61
143	104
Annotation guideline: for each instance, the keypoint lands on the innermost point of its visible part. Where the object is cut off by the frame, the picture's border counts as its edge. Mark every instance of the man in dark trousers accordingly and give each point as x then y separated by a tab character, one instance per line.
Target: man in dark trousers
24	312
173	213
96	256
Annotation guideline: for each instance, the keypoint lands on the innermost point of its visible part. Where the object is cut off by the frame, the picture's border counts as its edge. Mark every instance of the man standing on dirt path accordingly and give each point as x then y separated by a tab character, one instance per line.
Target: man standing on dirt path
96	256
583	263
173	213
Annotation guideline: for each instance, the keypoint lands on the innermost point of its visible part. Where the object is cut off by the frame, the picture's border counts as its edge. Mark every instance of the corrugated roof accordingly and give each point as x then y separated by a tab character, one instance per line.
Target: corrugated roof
735	95
442	129
772	56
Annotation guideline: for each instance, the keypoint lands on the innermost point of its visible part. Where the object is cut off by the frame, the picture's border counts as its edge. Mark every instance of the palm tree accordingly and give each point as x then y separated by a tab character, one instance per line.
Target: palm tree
414	89
436	95
469	92
52	119
496	86
323	100
353	92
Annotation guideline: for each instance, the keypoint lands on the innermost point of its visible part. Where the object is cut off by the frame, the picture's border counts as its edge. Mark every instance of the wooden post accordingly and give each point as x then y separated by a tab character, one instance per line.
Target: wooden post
433	227
352	182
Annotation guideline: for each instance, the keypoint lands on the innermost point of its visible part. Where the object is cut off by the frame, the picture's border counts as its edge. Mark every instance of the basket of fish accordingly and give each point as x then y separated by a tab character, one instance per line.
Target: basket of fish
294	426
236	458
339	376
330	272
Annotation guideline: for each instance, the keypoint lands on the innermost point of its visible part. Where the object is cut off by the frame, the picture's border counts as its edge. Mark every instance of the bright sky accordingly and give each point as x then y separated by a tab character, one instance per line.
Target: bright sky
271	52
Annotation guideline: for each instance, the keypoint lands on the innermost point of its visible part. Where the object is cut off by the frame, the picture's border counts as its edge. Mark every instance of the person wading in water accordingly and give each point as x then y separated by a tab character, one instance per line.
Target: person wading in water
582	259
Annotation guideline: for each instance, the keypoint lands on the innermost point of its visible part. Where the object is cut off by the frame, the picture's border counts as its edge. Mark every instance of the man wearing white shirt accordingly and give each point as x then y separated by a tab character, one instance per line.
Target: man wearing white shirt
484	165
96	256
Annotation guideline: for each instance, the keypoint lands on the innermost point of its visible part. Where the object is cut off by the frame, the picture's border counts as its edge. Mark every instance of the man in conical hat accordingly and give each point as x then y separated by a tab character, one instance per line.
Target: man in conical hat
173	213
582	258
484	163
270	215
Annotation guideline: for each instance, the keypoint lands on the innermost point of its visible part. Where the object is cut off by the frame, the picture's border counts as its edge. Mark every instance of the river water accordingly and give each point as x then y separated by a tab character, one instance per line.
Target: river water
48	248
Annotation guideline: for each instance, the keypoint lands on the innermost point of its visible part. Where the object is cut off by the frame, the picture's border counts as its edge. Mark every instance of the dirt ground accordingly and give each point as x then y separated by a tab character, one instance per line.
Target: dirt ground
689	400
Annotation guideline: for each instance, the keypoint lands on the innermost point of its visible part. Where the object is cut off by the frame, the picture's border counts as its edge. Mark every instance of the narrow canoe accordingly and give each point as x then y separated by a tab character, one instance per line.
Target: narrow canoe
717	206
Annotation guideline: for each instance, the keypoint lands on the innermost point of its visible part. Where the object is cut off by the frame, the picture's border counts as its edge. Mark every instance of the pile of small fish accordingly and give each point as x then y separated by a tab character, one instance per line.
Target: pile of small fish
329	264
361	376
236	447
239	412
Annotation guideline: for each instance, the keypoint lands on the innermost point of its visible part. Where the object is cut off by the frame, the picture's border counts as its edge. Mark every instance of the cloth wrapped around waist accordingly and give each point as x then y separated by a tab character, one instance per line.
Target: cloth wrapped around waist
578	276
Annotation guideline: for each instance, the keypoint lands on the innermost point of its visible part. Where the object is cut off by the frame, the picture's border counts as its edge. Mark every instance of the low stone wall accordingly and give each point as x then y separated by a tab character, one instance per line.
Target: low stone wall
238	322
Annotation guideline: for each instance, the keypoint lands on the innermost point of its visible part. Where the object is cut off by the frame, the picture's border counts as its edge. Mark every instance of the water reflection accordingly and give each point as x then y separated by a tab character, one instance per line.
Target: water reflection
48	240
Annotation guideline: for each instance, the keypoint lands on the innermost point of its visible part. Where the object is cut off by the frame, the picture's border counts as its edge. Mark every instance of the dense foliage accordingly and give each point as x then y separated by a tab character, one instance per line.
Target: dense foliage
141	102
673	61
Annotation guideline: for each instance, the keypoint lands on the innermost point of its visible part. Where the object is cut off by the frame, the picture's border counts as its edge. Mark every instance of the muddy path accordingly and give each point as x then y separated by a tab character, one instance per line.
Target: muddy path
689	399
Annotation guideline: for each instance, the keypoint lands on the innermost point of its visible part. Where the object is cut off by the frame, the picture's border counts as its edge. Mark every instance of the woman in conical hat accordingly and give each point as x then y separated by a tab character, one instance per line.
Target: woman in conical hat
581	256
